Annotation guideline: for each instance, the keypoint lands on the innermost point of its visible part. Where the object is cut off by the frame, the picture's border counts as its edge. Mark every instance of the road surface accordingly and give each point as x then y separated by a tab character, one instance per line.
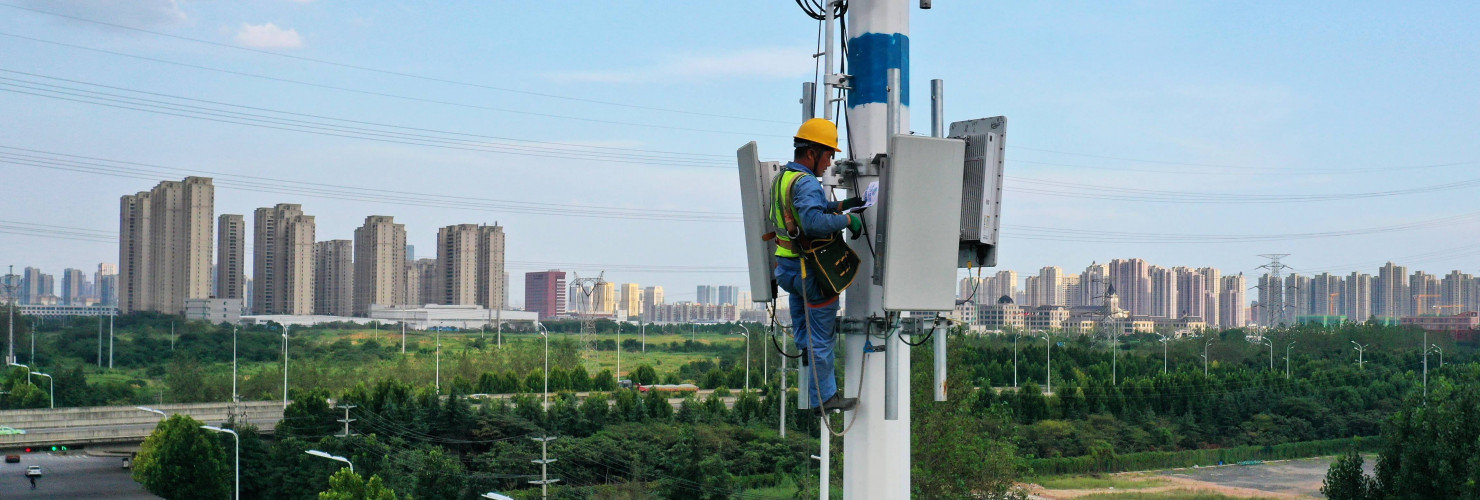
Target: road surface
70	476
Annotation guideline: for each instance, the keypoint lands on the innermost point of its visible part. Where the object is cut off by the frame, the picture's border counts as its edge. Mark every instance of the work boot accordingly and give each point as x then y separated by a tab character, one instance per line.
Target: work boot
837	403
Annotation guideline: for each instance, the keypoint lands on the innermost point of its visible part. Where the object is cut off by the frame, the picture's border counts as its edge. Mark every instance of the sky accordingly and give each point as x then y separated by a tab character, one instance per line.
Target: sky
1185	133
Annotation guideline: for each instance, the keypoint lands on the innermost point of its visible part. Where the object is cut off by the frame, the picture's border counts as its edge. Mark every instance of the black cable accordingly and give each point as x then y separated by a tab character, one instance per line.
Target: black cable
375	93
385	71
560	148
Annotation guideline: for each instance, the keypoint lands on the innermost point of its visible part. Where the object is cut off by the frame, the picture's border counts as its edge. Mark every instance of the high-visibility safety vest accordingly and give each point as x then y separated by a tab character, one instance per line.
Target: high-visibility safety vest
784	213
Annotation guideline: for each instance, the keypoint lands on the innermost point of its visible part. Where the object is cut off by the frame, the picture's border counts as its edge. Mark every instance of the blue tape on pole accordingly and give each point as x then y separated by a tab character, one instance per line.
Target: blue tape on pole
870	56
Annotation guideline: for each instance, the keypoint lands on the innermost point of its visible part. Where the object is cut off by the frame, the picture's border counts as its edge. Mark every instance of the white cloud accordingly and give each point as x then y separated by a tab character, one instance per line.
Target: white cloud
268	36
762	63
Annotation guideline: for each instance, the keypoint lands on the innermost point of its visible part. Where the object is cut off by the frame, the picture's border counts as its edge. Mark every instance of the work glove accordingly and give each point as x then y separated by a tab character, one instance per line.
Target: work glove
849	204
855	226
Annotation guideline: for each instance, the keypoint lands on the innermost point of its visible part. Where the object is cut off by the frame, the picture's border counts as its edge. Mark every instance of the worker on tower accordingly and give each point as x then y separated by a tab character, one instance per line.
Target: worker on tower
814	265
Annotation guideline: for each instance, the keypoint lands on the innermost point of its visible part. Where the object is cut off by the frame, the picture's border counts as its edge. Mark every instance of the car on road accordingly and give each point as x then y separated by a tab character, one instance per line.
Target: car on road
33	471
9	431
12	459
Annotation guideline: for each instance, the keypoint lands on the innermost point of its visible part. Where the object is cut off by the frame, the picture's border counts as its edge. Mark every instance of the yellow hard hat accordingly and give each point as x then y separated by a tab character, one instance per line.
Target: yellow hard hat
820	131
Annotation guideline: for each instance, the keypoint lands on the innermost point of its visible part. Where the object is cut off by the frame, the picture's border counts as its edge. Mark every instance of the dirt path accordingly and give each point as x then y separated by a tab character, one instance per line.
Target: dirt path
1177	484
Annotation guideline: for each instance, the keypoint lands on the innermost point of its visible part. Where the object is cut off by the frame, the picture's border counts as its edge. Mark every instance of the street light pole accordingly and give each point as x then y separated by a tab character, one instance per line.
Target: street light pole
1361	349
1287	358
1015	336
1267	341
619	351
321	454
746	334
233	364
1048	379
285	367
439	362
1163	340
545	439
1206	343
238	467
545	401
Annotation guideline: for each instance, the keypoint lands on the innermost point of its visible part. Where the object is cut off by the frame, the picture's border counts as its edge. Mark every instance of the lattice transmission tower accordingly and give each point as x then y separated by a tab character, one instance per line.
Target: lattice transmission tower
588	315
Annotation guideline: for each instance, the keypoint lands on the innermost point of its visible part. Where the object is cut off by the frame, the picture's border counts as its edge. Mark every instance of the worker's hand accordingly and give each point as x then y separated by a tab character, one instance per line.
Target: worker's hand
849	204
855	226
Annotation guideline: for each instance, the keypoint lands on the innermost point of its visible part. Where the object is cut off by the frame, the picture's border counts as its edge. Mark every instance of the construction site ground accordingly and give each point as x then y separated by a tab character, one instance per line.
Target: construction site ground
1276	479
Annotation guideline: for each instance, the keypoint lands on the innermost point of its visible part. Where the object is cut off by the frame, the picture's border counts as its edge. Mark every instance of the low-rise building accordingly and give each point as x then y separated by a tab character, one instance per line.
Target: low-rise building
1462	322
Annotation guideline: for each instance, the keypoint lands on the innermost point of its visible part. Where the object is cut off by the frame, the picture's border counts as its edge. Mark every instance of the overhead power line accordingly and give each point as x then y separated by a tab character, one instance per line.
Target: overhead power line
1083	191
1243	168
392	72
143	171
339	127
1098	236
382	94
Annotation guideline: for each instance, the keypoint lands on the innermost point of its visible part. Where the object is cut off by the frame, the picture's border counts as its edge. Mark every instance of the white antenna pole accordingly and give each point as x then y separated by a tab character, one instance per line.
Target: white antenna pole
876	451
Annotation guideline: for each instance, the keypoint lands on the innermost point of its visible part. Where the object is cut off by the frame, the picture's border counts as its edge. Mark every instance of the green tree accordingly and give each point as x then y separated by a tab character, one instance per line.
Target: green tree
346	485
1345	480
604	380
426	473
180	460
580	380
309	416
645	375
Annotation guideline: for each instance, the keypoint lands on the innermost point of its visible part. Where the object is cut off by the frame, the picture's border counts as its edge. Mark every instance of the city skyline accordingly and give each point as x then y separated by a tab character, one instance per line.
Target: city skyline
1249	159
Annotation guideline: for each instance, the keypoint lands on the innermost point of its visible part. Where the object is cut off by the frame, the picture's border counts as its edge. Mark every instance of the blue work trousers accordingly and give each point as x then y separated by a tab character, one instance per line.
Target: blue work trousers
813	326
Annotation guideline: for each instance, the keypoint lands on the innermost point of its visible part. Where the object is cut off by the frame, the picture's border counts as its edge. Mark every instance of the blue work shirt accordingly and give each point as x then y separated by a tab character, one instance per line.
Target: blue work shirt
818	216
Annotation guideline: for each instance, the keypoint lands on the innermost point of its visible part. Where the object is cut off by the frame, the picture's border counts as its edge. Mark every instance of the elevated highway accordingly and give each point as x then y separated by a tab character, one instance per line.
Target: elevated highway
119	427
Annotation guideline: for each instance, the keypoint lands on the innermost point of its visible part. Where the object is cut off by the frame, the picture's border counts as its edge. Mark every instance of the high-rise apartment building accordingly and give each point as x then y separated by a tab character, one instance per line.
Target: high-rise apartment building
1004	284
651	296
729	294
334	280
428	286
1072	290
106	282
604	298
231	256
1271	300
1325	295
1297	298
165	246
1164	293
1092	284
1050	289
1212	307
1132	280
73	284
412	283
1454	291
1424	290
631	299
544	293
1390	297
31	283
1192	294
379	264
706	294
470	258
1357	297
1233	301
283	260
